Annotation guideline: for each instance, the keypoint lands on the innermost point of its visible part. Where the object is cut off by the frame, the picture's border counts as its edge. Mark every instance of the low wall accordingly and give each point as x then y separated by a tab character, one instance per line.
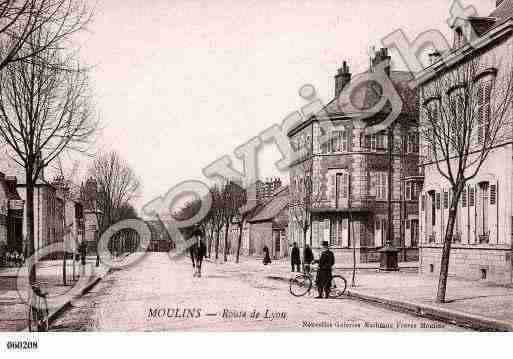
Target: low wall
488	264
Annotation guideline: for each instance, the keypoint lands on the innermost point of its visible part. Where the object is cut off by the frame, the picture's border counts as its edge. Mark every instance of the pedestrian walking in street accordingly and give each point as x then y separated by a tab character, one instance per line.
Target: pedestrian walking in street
83	250
307	258
324	274
267	257
295	257
197	251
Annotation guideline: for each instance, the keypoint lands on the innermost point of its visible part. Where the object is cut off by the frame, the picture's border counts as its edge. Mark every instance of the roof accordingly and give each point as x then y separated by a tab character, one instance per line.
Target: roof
273	206
10	191
369	94
503	11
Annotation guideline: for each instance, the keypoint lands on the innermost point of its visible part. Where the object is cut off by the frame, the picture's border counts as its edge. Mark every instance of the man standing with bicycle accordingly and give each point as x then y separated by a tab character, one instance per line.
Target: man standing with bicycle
324	274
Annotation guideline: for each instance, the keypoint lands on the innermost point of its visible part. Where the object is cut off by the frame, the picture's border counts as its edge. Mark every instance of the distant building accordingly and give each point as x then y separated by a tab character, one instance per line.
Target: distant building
11	216
92	214
160	240
268	226
266	189
73	207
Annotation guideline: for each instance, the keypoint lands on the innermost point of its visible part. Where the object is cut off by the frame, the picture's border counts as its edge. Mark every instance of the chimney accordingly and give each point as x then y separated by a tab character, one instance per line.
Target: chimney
380	56
342	78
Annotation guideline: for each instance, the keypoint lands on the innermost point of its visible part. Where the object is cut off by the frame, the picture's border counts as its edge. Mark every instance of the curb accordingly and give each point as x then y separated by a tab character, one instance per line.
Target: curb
53	316
454	317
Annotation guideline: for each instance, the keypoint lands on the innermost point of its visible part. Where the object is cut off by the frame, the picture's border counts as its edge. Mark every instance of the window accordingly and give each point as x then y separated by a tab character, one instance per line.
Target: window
339	231
471	198
438	200
482	212
493	194
342	189
484	90
412	143
433	208
446	199
379	185
377	141
423	203
459	38
464	198
340	141
407	190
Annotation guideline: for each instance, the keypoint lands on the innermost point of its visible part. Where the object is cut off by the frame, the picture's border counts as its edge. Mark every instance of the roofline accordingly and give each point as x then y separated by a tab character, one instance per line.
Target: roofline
457	55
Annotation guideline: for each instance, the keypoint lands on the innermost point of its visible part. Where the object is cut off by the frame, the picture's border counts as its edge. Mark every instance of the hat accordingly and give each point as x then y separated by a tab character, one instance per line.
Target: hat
325	243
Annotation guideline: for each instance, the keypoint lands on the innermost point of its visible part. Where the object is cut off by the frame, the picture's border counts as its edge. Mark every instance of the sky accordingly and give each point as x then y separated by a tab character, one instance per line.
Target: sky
179	84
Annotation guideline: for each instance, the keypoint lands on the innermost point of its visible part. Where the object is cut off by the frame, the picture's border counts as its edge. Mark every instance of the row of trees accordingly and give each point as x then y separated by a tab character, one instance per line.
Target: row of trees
45	97
46	108
115	187
229	205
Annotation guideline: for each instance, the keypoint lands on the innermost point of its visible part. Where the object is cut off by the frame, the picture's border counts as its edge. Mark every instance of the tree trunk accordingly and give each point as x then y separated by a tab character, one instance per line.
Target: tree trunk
64	265
446	252
210	241
217	243
30	245
353	241
239	240
225	251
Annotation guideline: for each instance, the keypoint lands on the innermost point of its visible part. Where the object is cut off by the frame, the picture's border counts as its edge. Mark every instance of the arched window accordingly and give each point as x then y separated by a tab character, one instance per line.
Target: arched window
484	87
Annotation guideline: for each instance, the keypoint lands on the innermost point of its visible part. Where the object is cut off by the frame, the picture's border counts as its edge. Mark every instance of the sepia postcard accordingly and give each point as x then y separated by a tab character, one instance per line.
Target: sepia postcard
237	165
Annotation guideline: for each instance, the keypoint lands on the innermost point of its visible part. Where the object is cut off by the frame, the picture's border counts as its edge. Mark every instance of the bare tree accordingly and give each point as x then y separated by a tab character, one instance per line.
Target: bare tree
304	195
21	20
117	185
44	110
66	182
217	216
233	198
463	118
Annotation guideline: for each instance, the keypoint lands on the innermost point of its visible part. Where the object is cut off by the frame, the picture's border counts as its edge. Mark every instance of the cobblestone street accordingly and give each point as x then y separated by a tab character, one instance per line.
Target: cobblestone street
160	294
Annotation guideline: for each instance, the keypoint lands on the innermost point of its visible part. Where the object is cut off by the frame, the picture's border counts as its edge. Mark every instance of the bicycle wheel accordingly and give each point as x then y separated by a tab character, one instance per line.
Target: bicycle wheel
338	286
300	285
32	318
44	314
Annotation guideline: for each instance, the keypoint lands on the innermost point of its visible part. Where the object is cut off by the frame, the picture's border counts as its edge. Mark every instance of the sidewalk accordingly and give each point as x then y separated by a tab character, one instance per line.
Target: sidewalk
474	304
13	308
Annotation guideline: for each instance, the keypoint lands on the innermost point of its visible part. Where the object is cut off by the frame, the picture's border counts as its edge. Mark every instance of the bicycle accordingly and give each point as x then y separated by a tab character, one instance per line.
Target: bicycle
303	283
38	309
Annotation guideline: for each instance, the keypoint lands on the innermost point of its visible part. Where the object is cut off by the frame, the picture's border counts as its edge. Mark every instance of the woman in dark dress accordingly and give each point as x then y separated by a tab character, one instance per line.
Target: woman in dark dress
267	258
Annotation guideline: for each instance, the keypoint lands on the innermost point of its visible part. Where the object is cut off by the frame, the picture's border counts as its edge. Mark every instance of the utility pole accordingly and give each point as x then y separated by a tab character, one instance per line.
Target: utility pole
388	260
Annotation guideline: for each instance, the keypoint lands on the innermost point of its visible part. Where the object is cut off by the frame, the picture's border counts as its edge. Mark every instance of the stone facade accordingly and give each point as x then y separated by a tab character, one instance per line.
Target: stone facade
11	217
348	178
482	237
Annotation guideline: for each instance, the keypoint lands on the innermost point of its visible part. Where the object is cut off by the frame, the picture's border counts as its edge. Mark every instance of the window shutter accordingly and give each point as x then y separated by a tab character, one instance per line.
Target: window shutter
471	197
345	185
423	203
493	194
446	199
464	197
437	196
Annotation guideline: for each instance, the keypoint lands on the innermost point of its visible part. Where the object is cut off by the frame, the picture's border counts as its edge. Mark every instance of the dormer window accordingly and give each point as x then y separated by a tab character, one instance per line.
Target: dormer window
459	38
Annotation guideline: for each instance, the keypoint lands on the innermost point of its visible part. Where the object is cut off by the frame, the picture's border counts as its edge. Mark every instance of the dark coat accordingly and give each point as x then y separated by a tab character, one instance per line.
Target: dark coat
308	255
295	256
267	258
198	251
324	274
